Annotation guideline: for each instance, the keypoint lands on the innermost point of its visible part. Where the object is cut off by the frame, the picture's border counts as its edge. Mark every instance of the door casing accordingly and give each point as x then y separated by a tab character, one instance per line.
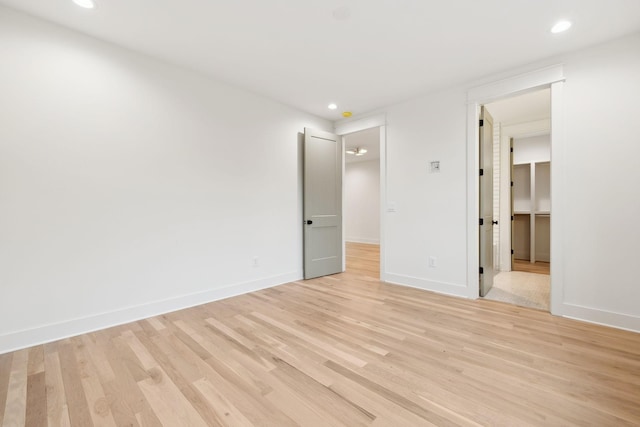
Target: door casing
553	77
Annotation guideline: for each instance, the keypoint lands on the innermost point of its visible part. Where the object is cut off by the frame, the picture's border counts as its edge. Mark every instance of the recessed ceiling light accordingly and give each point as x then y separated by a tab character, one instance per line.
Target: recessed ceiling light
87	4
332	106
560	27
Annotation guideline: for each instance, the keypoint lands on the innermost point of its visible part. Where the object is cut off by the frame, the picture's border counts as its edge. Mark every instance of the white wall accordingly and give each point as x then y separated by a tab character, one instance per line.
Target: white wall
602	204
130	187
362	201
532	149
430	216
601	233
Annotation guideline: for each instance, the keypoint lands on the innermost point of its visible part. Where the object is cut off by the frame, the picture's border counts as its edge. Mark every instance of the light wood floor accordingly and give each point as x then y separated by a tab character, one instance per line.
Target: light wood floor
521	288
536	267
344	350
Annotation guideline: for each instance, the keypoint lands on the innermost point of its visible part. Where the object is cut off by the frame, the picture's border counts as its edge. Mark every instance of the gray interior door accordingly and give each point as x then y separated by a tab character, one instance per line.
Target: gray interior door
486	202
322	203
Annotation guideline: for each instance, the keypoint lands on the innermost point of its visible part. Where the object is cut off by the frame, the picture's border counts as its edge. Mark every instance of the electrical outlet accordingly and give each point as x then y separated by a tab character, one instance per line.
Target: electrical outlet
433	262
256	262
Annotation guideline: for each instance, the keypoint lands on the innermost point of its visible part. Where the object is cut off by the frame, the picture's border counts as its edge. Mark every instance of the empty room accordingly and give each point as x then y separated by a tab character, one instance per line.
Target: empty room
299	213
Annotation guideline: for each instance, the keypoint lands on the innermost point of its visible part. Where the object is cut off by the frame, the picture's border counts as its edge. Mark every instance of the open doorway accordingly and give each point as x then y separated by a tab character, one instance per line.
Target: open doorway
521	203
323	195
362	202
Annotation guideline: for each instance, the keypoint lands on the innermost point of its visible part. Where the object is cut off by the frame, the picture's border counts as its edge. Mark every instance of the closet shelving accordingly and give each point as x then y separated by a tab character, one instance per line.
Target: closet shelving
532	211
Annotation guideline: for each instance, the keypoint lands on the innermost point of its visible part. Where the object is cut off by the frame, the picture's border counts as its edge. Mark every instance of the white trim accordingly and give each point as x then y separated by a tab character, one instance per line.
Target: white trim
558	164
473	206
516	84
445	288
601	317
383	202
360	123
56	331
551	76
343	142
362	240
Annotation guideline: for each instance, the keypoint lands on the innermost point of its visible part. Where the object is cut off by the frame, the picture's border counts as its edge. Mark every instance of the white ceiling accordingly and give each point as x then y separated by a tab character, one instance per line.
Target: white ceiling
360	54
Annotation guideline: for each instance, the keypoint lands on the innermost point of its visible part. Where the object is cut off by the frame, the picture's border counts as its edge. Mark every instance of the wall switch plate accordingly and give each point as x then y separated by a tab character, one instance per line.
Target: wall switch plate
434	166
433	262
256	262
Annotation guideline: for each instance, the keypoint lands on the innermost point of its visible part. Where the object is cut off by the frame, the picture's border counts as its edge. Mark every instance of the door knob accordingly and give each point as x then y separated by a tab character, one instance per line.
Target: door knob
309	222
494	222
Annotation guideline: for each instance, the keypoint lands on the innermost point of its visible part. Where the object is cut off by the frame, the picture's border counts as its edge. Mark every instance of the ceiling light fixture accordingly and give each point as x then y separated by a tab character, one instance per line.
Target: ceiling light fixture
358	151
332	106
561	26
87	4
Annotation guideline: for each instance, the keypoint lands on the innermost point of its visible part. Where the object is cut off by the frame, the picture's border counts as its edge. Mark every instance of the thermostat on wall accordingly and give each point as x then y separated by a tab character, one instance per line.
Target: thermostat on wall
435	166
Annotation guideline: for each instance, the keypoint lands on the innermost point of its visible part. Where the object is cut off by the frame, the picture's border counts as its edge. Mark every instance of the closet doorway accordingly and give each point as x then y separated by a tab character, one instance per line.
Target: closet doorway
522	194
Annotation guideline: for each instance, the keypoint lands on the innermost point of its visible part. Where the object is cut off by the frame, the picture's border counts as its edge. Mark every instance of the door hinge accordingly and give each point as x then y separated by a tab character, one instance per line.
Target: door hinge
481	221
481	122
481	172
512	149
512	252
481	270
511	217
512	183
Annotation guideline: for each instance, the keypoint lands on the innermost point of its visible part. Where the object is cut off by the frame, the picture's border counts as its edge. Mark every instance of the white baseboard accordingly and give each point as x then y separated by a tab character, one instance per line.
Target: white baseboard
363	240
56	331
427	285
27	338
600	317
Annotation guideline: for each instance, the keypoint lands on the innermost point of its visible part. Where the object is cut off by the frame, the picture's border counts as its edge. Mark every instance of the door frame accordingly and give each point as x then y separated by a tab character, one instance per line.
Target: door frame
552	77
344	128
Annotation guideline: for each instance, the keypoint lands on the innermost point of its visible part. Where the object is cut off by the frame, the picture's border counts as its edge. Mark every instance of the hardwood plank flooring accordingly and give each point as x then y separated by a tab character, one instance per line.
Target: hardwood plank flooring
342	350
363	259
539	267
